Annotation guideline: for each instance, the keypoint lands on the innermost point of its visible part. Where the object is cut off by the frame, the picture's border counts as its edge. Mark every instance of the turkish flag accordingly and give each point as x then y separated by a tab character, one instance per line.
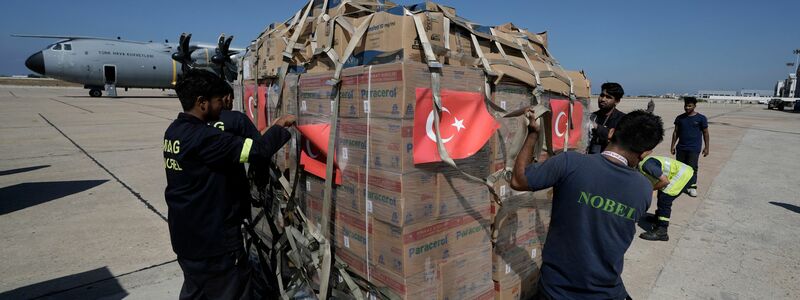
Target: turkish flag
465	125
313	156
250	101
561	114
262	108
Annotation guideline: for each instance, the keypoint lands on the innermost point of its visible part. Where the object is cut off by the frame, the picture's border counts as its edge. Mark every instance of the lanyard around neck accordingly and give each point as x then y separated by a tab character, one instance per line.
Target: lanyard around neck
616	156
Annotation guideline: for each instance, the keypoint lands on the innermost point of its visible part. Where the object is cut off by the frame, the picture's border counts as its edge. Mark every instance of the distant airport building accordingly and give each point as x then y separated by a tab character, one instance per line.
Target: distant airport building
756	93
707	94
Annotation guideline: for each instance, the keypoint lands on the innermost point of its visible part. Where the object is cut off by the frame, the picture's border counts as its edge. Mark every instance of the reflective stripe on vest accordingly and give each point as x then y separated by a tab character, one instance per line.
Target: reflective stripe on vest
245	155
677	172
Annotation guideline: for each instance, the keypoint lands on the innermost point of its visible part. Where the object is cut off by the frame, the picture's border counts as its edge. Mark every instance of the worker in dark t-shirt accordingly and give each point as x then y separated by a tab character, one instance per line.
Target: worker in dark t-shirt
597	200
690	134
606	117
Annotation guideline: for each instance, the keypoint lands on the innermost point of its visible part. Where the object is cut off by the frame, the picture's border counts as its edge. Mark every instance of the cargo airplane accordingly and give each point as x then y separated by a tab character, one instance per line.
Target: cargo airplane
105	64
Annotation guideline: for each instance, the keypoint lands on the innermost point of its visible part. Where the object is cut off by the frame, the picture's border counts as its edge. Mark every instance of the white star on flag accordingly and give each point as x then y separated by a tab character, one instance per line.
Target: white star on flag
458	124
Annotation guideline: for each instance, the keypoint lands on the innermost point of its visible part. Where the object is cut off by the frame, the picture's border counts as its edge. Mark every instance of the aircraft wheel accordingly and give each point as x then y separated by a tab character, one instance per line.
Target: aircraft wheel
95	93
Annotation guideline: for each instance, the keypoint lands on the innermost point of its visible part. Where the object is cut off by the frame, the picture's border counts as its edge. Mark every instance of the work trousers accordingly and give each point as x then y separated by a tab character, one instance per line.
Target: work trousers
691	159
227	276
664	208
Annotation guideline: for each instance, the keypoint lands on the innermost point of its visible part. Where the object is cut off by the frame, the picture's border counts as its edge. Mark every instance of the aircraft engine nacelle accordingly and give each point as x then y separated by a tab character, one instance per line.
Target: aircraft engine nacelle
218	60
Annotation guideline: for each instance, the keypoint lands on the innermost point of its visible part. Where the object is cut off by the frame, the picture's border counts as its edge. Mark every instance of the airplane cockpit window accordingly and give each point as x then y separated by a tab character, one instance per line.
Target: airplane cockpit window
68	47
57	47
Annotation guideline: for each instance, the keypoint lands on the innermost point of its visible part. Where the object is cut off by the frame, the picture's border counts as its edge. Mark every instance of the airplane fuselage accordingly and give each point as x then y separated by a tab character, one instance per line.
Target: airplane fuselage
124	64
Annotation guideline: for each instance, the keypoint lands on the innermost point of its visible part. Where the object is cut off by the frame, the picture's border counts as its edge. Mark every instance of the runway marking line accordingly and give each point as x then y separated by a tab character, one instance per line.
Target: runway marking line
126	186
75	106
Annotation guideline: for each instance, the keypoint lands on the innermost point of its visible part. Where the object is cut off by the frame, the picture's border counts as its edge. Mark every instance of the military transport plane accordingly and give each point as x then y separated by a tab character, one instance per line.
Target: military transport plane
104	64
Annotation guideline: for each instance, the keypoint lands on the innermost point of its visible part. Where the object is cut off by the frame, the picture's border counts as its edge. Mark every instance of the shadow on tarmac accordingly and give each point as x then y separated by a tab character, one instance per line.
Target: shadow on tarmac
22	170
24	195
93	284
793	208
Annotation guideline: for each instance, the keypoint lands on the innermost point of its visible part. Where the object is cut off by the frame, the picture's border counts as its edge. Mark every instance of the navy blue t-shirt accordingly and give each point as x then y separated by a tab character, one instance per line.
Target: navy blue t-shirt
595	207
652	167
690	132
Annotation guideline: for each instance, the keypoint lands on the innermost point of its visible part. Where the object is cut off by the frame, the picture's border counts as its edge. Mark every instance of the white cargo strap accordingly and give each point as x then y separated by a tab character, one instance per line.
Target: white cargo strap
446	25
367	210
423	39
530	65
486	67
351	46
335	82
294	22
287	53
499	45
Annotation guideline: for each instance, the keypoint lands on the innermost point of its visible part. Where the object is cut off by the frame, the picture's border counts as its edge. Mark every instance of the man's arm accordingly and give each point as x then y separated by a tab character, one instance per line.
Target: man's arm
662	182
674	139
705	140
518	180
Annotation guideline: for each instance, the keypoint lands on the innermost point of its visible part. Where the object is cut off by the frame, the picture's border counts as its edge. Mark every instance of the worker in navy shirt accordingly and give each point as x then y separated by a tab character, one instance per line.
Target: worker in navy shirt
606	117
690	128
205	216
597	199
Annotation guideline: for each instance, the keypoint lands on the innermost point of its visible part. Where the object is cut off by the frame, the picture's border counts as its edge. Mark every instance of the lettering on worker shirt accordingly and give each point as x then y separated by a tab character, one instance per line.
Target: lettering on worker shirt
172	147
606	205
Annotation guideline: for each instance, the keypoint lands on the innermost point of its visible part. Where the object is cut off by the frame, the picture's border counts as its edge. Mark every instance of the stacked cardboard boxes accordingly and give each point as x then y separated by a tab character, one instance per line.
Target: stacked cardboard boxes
420	231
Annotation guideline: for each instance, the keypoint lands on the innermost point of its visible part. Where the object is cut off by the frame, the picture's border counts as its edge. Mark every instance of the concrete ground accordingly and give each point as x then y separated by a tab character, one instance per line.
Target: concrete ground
82	212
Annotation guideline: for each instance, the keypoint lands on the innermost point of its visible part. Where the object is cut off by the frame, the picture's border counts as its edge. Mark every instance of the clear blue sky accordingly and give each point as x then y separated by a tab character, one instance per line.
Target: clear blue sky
648	46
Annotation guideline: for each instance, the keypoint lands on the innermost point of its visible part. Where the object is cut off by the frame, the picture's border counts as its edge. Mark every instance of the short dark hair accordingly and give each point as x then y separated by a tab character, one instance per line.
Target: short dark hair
198	82
687	100
638	131
614	89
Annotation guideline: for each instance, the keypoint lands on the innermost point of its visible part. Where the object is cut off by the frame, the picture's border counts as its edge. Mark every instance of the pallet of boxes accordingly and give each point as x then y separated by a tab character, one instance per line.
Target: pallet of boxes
369	80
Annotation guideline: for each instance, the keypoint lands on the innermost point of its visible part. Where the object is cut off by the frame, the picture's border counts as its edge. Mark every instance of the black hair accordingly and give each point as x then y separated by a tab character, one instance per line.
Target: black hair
198	82
687	100
614	89
638	131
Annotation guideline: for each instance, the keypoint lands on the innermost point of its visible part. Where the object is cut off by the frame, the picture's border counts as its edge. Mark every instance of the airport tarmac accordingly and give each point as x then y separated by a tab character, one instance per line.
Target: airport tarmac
82	211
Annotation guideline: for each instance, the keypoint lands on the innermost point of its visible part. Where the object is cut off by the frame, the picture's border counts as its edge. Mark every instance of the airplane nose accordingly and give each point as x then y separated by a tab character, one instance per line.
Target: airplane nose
36	63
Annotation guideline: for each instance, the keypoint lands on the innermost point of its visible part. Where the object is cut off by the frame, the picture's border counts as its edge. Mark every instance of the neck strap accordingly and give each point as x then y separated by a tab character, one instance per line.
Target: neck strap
616	156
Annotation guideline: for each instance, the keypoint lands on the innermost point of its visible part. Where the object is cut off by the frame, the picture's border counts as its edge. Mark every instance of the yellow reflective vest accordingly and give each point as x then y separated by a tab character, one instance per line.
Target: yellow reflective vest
677	172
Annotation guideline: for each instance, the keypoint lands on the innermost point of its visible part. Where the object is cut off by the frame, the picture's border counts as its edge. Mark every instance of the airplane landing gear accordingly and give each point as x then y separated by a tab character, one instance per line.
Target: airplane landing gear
95	93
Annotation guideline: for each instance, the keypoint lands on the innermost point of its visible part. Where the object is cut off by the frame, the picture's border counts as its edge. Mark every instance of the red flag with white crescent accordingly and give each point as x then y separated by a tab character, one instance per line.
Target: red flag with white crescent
314	152
464	124
560	108
262	107
250	101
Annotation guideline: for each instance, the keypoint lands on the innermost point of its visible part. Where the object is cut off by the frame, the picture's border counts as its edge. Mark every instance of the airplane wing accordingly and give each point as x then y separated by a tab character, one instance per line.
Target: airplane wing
232	51
70	37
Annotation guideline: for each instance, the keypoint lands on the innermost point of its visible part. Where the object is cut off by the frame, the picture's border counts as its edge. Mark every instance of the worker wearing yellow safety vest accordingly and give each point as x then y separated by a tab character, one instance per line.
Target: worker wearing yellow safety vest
670	178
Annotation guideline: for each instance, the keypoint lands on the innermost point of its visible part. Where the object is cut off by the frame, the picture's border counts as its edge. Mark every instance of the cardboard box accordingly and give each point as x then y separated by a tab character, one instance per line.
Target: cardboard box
467	276
350	194
461	277
516	289
392	36
353	235
401	199
411	249
390	89
517	257
510	96
316	96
